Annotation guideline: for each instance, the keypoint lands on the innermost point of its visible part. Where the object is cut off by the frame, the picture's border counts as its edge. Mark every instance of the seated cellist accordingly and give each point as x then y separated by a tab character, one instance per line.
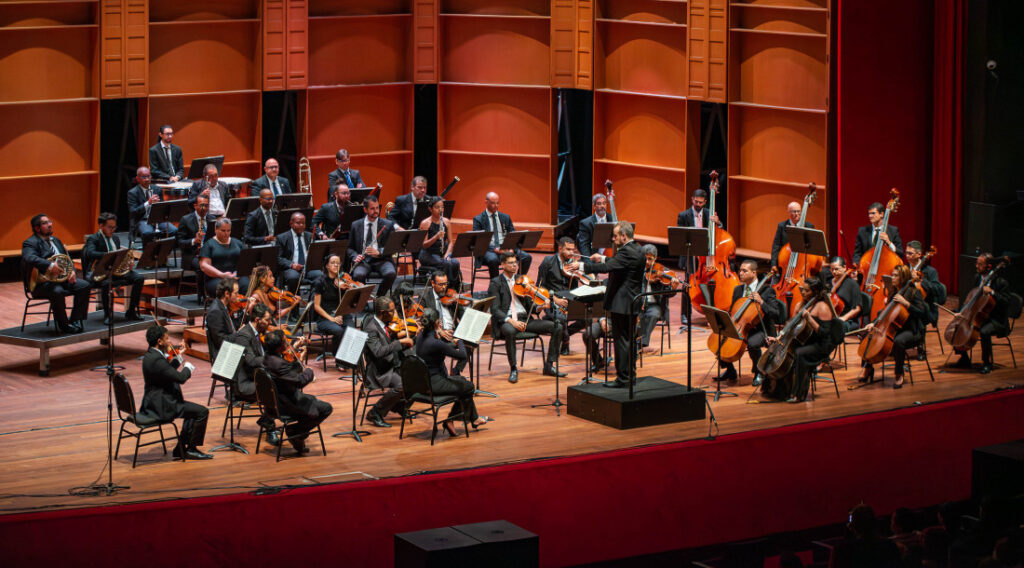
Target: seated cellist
911	332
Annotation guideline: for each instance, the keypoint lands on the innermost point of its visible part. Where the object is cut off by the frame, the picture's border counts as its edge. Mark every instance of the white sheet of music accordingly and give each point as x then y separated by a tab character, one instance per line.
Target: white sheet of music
472	325
351	347
587	291
227	360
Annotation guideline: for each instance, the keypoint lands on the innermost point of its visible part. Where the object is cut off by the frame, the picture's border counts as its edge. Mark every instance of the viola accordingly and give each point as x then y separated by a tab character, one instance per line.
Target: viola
916	269
876	346
881	261
746	315
715	267
451	296
658	273
963	332
798	266
526	288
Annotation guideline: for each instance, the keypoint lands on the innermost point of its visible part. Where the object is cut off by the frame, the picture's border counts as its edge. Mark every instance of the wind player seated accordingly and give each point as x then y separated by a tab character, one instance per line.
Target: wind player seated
911	332
447	315
289	378
260	222
366	240
192	233
140	200
509	317
97	245
343	175
383	358
219	257
848	292
277	184
294	244
328	217
404	213
439	243
551	275
213	189
774	312
36	252
501	224
998	323
434	345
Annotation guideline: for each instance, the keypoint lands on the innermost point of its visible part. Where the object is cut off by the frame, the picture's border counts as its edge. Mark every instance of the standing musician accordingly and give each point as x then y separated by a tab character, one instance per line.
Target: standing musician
328	216
625	280
163	399
653	307
367	238
826	333
211	188
36	252
552	275
585	237
911	332
383	358
343	175
437	247
263	284
700	217
249	338
165	159
192	233
774	312
289	377
848	292
327	294
140	200
98	244
447	315
277	184
795	208
501	224
259	223
294	245
868	235
220	322
404	213
433	345
509	317
998	323
219	257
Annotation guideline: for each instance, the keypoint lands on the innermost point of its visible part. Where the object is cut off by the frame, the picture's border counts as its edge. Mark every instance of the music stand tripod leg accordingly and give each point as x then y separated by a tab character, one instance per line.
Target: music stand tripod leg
230	418
557	403
474	377
355	432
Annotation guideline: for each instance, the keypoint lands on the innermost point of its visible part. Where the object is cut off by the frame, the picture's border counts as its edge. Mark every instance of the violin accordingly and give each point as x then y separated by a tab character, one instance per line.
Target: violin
963	332
451	296
345	282
838	302
658	273
715	267
881	261
526	288
409	325
278	296
577	273
746	314
175	354
915	270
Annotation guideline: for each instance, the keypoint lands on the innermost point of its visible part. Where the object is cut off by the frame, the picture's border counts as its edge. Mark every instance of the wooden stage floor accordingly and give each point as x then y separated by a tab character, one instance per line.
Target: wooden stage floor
53	429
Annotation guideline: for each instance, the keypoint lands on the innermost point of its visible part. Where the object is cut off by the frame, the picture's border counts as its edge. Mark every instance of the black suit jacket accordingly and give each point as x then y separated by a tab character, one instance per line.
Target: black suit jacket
158	165
482	222
35	252
357	236
256	227
935	290
201	185
502	304
585	237
337	177
782	240
219	326
434	351
863	242
286	244
289	378
403	213
137	199
381	352
327	218
774	310
162	399
427	301
550	275
263	182
625	277
999	316
685	217
95	248
188	226
252	359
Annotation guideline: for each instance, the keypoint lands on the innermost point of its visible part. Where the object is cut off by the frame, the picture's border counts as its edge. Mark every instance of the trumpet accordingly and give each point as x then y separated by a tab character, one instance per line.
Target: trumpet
305	176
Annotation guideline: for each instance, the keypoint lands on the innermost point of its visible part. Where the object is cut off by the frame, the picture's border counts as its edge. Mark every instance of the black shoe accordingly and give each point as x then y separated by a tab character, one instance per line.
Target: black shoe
300	446
921	354
513	376
758	379
964	362
898	383
273	438
483	419
64	329
986	368
869	375
616	384
376	419
565	348
132	315
458	368
597	366
728	375
549	370
196	454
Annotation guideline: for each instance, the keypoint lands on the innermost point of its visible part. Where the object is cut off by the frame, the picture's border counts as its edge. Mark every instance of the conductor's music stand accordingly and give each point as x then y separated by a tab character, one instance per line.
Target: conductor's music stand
721	323
354	301
686	241
474	244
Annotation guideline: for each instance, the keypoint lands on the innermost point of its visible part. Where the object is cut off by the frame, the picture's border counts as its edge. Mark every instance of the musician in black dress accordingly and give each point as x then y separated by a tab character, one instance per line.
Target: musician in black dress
99	244
773	312
289	377
848	292
869	235
912	331
448	316
219	257
434	347
437	247
826	333
327	295
998	323
36	252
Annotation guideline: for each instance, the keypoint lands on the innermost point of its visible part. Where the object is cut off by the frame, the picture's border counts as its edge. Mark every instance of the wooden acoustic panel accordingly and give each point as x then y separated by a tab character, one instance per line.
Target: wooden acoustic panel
649	197
524	185
39	139
124	48
496	8
707	34
780	145
37	14
760	61
495	50
563	43
203	10
651	11
204	57
70	201
211	124
46	64
495	119
425	52
356	51
755	209
640	129
640	58
368	119
789	21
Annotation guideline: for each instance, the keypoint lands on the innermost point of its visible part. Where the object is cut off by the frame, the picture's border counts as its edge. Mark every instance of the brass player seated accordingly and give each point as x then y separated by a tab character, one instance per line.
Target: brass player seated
49	273
99	244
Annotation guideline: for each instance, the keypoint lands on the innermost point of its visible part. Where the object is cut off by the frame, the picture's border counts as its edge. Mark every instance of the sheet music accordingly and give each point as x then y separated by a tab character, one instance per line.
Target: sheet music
227	360
472	325
351	347
583	291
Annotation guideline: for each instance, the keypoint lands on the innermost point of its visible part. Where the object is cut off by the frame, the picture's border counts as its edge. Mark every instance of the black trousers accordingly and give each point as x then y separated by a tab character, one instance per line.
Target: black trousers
460	388
133	279
622	335
593	337
392	384
148	232
648	319
193	428
308	419
451	267
538	326
57	291
493	261
384	267
985	333
336	331
755	343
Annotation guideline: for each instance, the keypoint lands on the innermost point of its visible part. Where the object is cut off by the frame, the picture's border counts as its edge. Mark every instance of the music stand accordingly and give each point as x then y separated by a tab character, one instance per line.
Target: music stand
584	307
284	219
568	228
483	305
164	211
519	240
403	241
422	211
685	241
294	201
240	207
316	254
250	257
352	212
198	165
154	257
721	323
237	229
473	244
603	235
354	301
357	194
803	240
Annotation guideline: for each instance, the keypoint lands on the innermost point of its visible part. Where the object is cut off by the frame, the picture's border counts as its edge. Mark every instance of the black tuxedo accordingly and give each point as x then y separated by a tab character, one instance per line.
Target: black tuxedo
251	360
403	214
327	218
163	400
781	239
256	228
501	310
289	378
95	248
383	358
286	243
585	237
998	323
219	325
686	219
382	265
625	281
865	235
935	290
774	313
34	254
482	222
159	166
263	182
337	177
550	275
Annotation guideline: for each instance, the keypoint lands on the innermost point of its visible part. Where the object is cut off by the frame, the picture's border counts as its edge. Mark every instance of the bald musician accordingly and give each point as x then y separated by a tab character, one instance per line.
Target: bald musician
140	200
795	208
271	179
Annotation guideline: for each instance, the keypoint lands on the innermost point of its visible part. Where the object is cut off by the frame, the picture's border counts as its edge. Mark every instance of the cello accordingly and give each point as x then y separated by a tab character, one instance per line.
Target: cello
798	266
746	314
715	267
876	346
882	261
962	333
776	363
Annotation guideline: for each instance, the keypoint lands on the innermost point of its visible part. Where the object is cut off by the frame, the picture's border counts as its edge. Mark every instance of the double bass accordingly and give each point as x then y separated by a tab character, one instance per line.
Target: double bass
715	267
963	332
797	266
881	261
746	315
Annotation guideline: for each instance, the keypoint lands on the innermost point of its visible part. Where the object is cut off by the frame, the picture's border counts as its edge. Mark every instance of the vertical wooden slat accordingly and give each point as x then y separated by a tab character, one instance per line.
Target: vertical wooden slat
274	45
563	40
717	50
136	44
425	42
297	45
111	49
585	44
697	49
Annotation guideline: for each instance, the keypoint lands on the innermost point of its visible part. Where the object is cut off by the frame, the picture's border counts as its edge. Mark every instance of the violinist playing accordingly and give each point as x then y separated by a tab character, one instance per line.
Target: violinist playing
327	294
910	333
998	323
826	333
555	276
279	303
282	362
437	247
928	280
848	293
383	358
773	312
654	307
443	300
224	314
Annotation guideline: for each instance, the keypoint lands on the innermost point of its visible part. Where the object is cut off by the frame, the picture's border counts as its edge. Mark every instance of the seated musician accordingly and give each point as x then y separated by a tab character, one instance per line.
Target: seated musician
97	245
552	275
289	376
219	257
437	247
294	245
700	217
277	184
249	338
871	233
211	188
434	345
262	287
343	175
39	253
140	200
192	233
774	312
585	236
501	224
383	358
165	159
849	293
367	238
795	208
260	222
911	332
327	294
826	333
998	323
404	213
509	317
220	320
327	218
163	400
654	307
447	314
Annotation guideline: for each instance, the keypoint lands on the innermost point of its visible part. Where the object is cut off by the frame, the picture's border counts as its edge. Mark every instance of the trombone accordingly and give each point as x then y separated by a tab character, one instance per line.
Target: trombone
305	176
